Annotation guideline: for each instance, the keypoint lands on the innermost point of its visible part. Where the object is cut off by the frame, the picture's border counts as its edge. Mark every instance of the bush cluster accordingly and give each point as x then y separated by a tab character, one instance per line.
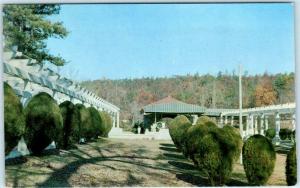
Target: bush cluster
291	167
14	121
213	150
258	159
285	134
44	121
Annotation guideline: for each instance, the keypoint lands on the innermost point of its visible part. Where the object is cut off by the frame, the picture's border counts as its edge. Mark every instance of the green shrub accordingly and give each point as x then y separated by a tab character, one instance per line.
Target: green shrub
96	124
213	149
107	123
291	167
191	143
71	124
85	123
181	135
270	133
14	121
285	134
176	129
44	122
204	120
258	159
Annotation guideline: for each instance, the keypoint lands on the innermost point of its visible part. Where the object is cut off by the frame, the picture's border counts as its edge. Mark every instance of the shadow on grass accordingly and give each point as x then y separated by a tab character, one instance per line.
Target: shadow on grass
182	165
198	180
60	177
169	149
172	156
234	182
15	161
192	179
167	145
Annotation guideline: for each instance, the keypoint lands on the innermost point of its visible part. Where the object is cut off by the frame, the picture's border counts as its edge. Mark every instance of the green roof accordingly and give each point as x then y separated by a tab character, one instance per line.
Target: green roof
170	105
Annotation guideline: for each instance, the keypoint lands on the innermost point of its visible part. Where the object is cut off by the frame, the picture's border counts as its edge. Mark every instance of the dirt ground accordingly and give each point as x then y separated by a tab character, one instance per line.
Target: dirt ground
115	162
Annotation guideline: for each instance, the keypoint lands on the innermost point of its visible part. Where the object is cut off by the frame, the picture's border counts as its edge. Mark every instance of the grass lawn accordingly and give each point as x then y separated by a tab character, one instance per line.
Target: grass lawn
116	162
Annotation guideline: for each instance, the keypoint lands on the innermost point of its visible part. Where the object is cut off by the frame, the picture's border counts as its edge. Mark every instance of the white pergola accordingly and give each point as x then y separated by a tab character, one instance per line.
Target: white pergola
29	78
263	113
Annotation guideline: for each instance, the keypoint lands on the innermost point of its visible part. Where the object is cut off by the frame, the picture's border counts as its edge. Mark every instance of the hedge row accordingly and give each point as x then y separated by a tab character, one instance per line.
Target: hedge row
213	150
43	121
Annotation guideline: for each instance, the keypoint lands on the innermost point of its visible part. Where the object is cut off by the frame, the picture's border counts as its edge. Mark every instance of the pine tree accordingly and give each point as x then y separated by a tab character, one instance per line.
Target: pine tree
28	28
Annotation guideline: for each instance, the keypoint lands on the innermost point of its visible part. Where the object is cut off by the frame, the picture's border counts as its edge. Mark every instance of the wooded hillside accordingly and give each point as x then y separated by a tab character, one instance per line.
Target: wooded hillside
219	91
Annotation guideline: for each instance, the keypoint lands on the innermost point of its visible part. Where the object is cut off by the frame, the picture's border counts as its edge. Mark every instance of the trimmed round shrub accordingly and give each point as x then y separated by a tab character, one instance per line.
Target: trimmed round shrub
85	123
192	135
181	134
14	121
291	167
258	159
232	141
108	123
204	119
213	150
96	123
285	134
71	121
177	127
44	122
270	133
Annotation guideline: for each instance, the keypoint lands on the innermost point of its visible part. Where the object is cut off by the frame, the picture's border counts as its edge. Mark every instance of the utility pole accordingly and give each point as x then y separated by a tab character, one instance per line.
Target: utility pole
240	106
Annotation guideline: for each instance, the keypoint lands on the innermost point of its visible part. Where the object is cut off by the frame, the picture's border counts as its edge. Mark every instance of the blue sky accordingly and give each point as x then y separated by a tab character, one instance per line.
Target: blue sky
135	40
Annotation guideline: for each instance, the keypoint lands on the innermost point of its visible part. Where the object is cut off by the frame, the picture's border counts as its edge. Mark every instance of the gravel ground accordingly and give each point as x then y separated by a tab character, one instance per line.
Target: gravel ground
115	162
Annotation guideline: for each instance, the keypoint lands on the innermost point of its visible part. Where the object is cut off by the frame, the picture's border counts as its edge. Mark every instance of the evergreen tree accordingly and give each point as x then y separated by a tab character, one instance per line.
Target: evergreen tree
28	27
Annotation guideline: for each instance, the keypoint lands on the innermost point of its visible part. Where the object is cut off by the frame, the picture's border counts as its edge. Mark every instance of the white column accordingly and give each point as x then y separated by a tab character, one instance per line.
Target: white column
225	120
250	125
294	122
255	125
266	123
276	139
221	119
54	93
195	118
262	127
118	119
114	117
232	117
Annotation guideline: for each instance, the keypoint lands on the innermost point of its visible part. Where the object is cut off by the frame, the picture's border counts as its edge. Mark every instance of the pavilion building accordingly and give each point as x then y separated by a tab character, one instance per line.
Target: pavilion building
170	107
